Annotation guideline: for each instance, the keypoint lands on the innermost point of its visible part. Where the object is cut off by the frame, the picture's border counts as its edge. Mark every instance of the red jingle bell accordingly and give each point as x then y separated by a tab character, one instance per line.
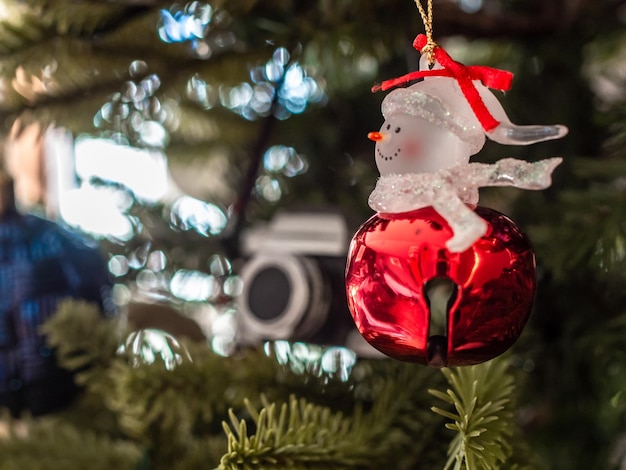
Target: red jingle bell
393	258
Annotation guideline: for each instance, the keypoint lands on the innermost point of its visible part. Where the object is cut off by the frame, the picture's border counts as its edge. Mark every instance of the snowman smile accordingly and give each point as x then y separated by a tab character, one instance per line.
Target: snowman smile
387	157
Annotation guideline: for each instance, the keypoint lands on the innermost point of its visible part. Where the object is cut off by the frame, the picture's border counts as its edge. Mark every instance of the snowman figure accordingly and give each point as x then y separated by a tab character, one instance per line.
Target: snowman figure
424	146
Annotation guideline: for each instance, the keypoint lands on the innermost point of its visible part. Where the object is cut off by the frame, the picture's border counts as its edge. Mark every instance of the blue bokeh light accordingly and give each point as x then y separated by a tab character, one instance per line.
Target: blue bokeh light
188	24
279	80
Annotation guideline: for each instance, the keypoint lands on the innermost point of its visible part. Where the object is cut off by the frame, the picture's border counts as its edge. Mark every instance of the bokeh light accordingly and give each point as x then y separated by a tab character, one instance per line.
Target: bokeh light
279	161
331	362
138	255
118	265
203	28
204	218
149	345
111	179
188	24
157	261
269	188
233	286
142	172
224	332
285	160
278	80
200	92
152	282
470	6
134	115
97	211
193	286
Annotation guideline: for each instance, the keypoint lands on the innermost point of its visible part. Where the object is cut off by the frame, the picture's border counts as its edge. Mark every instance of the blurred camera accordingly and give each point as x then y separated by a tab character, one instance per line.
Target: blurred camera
294	284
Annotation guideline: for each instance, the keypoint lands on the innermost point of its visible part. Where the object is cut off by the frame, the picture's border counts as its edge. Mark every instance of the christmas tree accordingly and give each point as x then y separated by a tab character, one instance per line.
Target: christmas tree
206	122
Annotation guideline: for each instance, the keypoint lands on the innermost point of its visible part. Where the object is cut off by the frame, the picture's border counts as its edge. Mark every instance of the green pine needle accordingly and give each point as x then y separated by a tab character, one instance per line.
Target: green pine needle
482	416
50	444
82	339
297	435
177	411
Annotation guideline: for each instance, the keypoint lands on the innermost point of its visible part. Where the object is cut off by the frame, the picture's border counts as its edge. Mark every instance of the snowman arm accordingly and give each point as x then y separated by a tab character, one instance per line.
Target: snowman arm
513	172
466	225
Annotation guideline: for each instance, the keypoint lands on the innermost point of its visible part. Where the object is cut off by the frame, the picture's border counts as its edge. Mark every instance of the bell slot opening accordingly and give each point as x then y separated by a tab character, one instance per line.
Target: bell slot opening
440	294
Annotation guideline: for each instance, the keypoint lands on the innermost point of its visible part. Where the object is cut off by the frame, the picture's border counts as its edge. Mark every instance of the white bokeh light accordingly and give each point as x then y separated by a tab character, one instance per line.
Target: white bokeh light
192	286
96	211
109	176
143	172
205	218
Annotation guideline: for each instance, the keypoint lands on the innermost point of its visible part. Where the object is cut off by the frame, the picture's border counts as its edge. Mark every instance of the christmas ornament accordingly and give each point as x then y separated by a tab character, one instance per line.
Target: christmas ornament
428	226
40	264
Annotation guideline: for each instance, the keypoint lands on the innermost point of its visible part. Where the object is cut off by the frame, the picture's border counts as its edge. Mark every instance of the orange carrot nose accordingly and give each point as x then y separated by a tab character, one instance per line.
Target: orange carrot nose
375	136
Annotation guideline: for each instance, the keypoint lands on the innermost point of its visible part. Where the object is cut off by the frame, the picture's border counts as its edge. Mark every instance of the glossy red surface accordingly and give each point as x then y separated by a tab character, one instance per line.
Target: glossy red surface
390	262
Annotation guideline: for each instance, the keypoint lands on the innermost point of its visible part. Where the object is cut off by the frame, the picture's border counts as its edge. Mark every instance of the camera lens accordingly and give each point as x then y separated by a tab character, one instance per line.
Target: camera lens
283	297
269	292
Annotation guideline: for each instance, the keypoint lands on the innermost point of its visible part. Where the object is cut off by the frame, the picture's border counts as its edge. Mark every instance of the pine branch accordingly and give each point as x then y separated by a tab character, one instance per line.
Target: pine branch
18	27
584	234
394	430
82	339
158	405
28	24
404	429
51	445
297	435
169	407
482	416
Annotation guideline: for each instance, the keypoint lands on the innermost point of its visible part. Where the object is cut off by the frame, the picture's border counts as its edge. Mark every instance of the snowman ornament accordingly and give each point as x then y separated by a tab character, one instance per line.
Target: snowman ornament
429	226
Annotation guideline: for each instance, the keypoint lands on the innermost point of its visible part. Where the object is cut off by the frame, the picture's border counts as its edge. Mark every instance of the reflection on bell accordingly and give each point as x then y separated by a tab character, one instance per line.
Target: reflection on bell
437	351
293	282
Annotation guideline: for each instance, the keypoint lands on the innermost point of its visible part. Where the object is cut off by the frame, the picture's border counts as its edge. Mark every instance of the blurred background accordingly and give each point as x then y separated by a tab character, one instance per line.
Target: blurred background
192	140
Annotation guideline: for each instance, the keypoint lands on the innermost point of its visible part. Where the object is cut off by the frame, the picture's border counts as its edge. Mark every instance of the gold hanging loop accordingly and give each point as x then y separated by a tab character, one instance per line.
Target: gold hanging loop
427	19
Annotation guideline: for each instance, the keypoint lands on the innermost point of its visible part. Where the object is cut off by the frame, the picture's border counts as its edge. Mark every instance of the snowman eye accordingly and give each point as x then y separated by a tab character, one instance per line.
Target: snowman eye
397	130
388	126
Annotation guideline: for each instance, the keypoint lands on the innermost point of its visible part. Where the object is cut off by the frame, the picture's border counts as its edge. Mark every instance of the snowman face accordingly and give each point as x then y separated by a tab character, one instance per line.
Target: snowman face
410	144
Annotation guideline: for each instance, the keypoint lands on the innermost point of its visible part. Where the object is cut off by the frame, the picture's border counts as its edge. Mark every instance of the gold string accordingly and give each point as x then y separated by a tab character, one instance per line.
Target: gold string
427	19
